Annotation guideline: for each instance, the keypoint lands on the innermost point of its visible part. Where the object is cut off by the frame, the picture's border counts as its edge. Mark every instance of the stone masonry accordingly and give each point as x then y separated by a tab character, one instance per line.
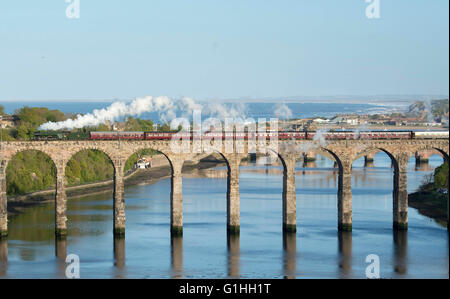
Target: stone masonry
344	152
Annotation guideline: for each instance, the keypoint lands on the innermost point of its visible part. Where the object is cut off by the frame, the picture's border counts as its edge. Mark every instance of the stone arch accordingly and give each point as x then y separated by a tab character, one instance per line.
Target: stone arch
3	181
134	150
392	154
5	163
289	200
103	150
74	152
10	154
330	153
118	188
441	150
399	158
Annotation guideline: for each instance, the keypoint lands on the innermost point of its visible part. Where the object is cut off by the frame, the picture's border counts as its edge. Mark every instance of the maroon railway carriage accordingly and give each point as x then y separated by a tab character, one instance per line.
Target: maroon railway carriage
159	135
282	135
116	135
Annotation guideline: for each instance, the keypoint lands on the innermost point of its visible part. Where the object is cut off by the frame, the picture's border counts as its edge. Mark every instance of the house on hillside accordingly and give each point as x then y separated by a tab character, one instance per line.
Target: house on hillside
8	121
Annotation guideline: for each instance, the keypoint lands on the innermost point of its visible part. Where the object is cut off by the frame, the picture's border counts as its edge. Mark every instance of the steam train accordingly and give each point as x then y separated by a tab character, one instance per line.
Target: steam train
282	135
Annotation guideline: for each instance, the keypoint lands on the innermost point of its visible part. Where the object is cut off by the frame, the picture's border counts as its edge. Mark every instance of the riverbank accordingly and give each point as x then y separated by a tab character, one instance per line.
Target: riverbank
431	204
17	204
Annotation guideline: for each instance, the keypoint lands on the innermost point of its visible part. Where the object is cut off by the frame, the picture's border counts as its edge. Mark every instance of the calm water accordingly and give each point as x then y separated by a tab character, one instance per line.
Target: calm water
316	251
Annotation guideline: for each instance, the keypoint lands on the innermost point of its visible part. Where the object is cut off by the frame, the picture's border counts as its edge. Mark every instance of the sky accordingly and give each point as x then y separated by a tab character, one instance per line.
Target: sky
220	49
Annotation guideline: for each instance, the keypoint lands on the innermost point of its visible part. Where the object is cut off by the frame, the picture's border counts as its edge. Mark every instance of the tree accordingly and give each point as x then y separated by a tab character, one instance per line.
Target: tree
137	124
441	176
2	110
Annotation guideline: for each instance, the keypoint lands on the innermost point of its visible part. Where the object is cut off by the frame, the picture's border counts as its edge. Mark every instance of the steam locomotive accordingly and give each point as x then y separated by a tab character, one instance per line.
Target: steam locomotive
244	135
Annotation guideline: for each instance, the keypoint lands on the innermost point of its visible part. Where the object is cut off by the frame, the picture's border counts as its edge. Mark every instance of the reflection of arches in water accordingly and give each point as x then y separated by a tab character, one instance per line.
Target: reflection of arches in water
176	217
233	246
324	177
289	255
288	197
176	246
109	170
345	253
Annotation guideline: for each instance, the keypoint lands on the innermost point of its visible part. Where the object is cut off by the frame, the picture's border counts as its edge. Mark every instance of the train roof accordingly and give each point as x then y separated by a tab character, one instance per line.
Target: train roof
117	132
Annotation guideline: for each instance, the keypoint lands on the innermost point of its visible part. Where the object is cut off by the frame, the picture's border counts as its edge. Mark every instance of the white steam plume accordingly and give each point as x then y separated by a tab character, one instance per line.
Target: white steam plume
283	111
166	107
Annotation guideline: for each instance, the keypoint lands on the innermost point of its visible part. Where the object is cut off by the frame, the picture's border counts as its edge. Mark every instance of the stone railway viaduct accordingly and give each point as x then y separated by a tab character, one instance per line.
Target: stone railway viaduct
344	152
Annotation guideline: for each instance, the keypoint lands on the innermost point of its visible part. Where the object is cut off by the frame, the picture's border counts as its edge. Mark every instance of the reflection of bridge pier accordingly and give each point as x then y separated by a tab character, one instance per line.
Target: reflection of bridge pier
176	246
290	254
309	164
61	254
345	253
61	248
119	252
3	256
233	246
400	251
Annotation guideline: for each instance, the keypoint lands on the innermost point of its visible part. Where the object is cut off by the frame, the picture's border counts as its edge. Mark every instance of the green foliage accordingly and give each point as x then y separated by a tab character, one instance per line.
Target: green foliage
99	128
441	176
7	134
30	118
89	166
134	157
166	128
30	171
137	124
2	110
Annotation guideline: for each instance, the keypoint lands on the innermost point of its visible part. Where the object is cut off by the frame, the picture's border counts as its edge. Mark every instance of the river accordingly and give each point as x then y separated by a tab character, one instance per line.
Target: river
261	251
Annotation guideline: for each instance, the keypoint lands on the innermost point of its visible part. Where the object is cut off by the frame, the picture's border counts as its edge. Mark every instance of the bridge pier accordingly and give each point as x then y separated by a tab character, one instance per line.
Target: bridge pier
233	198
3	201
422	157
400	195
345	198
119	199
309	157
60	201
176	199
369	160
289	196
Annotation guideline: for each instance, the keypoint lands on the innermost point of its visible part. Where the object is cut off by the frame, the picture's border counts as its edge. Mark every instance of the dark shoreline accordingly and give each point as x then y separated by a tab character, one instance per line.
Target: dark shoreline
430	204
139	177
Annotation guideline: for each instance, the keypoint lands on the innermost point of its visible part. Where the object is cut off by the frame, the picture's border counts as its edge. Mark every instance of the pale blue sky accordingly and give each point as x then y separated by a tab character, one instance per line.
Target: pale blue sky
221	49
